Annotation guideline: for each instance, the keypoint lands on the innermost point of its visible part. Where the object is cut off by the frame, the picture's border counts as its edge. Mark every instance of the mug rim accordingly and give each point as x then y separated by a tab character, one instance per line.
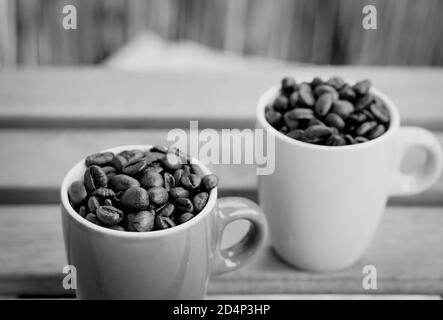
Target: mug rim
68	179
272	92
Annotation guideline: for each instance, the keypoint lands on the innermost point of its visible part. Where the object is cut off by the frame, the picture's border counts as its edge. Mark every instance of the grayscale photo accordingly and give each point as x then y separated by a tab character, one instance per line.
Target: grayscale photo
229	152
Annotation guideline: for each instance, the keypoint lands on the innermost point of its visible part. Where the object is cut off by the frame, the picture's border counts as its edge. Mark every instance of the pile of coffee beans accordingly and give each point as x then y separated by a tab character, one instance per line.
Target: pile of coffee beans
331	112
141	191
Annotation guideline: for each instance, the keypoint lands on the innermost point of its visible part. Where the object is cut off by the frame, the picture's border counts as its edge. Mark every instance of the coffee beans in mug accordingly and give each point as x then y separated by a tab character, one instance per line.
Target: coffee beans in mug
331	112
143	191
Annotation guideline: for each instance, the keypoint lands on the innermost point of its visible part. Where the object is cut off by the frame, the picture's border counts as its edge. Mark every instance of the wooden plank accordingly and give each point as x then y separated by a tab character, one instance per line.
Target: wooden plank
103	98
8	33
33	257
35	161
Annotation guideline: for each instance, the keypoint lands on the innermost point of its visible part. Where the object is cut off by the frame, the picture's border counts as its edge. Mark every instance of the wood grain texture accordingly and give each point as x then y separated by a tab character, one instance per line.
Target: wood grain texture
98	98
313	31
407	252
34	163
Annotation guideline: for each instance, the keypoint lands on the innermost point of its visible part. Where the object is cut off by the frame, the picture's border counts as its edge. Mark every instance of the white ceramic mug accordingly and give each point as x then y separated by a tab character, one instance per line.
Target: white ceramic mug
323	203
175	263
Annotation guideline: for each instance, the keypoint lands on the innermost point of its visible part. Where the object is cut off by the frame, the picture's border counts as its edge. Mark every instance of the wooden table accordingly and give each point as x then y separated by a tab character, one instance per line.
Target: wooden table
50	118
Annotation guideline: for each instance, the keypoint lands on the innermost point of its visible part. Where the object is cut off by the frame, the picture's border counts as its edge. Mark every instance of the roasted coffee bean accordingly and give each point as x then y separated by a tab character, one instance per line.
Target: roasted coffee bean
334	120
179	192
357	118
336	82
379	112
335	140
296	134
162	223
110	171
172	161
135	168
118	196
342	107
376	132
349	139
95	178
273	117
151	179
190	181
178	174
109	215
312	140
187	169
154	167
288	85
368	114
103	192
119	161
197	170
323	104
281	104
82	211
324	88
290	121
314	122
169	181
362	87
99	159
167	210
365	128
129	222
316	82
347	93
293	100
122	182
185	217
135	156
126	154
302	114
284	130
199	201
77	193
135	198
210	181
93	218
158	196
305	95
117	227
151	157
93	204
108	202
360	139
160	149
183	205
362	102
144	221
318	131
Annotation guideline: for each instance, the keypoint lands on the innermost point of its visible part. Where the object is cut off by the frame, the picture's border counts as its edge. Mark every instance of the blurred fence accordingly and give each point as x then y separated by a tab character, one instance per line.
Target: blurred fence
410	32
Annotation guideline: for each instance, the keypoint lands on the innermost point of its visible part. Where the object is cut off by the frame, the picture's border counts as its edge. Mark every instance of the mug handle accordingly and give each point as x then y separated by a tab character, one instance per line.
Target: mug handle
234	257
410	183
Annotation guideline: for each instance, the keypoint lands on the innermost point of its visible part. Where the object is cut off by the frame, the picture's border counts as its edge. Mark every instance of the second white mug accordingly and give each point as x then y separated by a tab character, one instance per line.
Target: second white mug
323	203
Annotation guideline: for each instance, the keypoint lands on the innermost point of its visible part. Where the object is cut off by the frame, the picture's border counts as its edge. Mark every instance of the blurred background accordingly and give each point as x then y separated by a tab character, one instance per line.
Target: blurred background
410	32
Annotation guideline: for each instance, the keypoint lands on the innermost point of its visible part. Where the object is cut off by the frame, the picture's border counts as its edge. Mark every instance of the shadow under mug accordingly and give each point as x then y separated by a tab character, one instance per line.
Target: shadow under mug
175	263
324	203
